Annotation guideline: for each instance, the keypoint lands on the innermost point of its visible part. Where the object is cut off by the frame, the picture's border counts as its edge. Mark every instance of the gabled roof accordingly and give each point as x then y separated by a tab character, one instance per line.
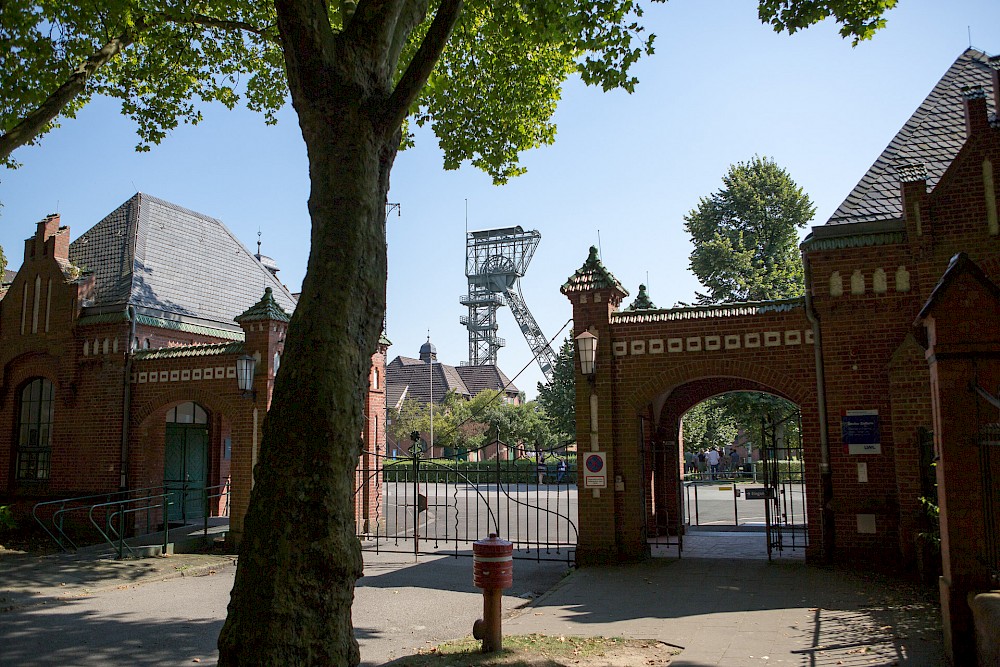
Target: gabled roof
412	379
592	276
959	264
932	137
173	264
487	376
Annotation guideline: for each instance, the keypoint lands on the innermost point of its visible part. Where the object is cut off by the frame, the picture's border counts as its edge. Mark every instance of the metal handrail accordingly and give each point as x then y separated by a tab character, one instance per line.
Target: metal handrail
64	510
121	514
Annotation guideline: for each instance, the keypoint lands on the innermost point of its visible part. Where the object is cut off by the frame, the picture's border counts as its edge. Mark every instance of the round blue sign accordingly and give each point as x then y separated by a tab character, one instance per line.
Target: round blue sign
594	463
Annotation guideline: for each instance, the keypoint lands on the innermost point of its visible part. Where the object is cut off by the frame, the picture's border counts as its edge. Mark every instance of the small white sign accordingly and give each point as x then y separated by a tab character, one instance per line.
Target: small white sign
595	470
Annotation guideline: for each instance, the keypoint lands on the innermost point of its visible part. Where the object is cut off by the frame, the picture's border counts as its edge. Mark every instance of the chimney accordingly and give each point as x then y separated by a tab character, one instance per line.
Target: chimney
913	192
976	118
49	240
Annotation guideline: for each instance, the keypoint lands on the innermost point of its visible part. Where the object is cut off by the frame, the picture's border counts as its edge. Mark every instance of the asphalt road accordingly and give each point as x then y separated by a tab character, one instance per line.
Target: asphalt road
712	504
400	605
524	513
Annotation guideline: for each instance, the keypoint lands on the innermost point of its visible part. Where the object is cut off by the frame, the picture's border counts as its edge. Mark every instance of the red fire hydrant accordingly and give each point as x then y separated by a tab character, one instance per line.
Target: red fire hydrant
493	571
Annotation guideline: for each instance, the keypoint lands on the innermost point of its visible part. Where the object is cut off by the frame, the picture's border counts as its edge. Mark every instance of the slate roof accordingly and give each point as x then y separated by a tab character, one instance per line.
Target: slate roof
8	276
412	379
931	137
172	264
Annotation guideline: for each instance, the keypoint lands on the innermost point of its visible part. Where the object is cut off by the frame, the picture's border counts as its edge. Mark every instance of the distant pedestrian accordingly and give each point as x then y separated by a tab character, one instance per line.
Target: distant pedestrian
734	460
713	461
541	470
702	463
560	471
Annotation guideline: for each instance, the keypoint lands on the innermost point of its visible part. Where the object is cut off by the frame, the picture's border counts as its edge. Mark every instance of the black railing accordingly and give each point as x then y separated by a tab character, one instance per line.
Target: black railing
421	505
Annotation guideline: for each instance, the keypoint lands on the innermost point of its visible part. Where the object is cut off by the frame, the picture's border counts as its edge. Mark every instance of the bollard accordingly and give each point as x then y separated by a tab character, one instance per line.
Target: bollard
493	571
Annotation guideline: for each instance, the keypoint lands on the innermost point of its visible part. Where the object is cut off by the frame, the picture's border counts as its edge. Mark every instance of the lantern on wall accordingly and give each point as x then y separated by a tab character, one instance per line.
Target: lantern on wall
586	347
245	366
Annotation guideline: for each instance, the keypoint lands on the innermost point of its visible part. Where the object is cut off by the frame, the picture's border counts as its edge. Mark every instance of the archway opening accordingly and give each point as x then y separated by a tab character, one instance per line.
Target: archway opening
735	449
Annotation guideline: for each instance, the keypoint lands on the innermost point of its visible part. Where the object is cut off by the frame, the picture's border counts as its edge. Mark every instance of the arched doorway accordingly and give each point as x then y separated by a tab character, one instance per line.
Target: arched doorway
727	471
185	462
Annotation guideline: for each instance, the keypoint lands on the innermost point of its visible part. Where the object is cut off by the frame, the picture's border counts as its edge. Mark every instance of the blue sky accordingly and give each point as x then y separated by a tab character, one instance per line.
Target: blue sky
625	169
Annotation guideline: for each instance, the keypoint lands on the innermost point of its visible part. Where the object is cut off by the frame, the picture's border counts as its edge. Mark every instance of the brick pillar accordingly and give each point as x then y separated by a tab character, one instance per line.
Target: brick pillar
962	323
603	539
264	327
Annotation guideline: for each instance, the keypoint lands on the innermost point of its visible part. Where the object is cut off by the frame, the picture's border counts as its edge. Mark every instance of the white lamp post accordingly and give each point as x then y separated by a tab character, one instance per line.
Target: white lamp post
586	347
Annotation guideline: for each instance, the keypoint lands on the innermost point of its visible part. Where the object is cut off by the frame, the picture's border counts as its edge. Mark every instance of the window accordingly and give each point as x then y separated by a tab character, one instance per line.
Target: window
34	431
187	413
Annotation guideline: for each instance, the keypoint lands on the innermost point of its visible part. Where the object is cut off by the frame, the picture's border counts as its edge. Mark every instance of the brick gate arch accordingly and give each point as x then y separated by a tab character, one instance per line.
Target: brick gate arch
663	462
652	359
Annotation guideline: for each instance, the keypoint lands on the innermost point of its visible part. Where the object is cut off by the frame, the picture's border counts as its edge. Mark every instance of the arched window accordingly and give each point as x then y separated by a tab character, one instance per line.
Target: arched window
375	379
34	430
187	413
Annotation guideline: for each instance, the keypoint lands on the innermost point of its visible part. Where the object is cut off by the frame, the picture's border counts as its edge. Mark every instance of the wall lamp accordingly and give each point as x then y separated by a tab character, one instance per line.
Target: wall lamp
586	347
245	367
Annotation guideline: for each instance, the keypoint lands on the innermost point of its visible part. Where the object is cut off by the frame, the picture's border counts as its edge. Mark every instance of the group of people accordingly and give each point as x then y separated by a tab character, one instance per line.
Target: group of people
714	461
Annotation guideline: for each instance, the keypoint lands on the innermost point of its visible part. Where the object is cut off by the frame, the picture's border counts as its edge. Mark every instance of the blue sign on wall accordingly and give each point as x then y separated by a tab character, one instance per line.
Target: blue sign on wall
859	432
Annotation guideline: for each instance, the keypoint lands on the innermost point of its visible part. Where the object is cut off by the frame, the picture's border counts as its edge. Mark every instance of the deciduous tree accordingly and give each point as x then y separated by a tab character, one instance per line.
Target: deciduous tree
745	236
558	396
486	78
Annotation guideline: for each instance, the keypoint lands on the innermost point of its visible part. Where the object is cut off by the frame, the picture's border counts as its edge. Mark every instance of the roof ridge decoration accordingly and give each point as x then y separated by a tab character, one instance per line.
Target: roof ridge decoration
642	301
709	311
204	350
592	276
933	136
265	309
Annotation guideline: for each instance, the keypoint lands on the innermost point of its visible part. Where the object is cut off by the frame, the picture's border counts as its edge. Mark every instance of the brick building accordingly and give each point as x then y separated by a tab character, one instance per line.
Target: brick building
118	361
427	380
850	345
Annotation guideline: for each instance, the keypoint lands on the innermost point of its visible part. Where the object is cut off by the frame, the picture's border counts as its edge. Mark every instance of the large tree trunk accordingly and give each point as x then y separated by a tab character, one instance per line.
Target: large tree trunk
291	602
300	558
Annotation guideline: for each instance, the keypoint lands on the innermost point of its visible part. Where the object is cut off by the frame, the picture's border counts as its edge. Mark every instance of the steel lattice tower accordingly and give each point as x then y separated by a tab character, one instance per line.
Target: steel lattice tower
495	261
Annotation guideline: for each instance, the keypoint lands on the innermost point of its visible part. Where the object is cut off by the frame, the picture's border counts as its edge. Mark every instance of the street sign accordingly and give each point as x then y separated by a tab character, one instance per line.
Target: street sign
859	430
766	493
595	474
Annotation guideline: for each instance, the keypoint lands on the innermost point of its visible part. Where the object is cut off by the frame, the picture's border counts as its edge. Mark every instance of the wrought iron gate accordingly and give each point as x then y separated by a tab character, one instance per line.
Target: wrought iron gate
784	481
989	465
415	504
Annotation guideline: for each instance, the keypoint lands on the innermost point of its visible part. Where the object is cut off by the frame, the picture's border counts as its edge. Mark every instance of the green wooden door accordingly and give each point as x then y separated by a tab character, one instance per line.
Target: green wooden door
185	470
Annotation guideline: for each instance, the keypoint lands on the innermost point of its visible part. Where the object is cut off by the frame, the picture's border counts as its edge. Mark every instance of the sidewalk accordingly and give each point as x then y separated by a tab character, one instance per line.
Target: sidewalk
27	580
736	613
732	612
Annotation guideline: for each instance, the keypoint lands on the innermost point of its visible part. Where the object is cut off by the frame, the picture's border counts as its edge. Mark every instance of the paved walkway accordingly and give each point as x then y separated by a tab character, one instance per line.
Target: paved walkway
741	611
732	611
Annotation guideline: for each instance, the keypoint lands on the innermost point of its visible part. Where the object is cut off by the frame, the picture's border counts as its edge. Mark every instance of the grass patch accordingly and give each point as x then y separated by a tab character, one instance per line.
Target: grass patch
544	651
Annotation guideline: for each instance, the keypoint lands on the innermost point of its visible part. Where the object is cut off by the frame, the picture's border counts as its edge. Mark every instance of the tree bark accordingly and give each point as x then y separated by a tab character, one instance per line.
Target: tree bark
300	557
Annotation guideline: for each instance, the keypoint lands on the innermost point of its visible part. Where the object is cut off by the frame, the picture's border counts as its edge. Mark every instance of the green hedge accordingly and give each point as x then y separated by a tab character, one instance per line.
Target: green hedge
519	471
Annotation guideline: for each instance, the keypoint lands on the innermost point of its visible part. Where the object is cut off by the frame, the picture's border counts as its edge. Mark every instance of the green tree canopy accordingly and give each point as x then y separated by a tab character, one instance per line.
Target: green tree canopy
485	73
745	236
557	397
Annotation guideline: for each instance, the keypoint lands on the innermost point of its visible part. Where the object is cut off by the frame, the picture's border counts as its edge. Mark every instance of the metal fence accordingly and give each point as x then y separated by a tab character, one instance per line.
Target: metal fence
432	506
